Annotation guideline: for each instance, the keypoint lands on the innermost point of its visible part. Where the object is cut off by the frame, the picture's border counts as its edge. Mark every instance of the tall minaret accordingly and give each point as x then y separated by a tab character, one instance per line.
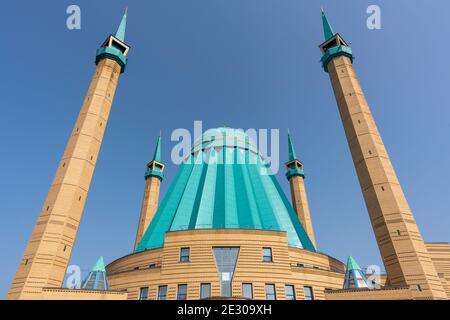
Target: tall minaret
405	257
48	251
296	177
153	178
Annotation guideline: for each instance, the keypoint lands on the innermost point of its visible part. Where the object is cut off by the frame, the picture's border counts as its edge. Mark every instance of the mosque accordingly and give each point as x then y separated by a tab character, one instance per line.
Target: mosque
225	229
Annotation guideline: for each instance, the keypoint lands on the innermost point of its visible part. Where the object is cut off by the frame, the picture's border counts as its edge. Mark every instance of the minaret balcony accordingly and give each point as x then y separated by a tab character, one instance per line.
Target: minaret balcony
295	172
154	173
111	53
335	52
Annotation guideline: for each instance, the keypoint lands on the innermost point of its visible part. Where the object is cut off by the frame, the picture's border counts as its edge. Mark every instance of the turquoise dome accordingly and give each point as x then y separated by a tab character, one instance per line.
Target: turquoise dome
225	184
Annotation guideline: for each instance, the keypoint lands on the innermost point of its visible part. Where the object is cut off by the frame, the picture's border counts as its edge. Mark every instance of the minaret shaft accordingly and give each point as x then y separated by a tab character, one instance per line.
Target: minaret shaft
48	251
149	206
402	248
300	204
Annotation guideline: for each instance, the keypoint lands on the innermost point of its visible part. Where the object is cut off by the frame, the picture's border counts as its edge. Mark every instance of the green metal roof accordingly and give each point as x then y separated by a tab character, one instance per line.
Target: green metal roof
157	154
327	29
225	184
120	34
352	264
99	266
96	279
354	276
292	154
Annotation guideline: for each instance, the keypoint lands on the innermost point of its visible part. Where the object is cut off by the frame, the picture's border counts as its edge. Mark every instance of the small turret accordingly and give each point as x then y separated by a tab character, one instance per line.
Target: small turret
294	166
96	279
155	168
354	276
296	176
153	178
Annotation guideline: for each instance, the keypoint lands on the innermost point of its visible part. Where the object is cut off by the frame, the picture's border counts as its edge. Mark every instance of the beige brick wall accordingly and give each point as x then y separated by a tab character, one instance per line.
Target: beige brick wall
319	271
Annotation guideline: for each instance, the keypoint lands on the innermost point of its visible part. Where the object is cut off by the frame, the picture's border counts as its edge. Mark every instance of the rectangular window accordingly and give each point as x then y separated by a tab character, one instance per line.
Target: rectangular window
290	292
205	290
247	290
270	292
184	254
162	293
182	292
267	254
309	295
143	293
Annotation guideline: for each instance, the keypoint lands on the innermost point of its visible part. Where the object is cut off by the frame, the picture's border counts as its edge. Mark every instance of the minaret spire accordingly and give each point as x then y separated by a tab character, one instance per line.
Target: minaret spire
296	177
327	29
47	255
120	34
153	178
292	154
157	154
401	245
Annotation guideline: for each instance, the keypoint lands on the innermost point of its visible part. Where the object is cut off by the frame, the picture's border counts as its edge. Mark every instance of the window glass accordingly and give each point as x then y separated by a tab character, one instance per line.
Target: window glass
309	293
182	292
290	292
162	292
184	255
270	292
205	290
267	254
143	293
226	259
247	290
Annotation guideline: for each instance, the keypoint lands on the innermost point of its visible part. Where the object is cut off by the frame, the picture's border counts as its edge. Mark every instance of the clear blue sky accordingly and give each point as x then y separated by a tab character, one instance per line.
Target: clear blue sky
248	64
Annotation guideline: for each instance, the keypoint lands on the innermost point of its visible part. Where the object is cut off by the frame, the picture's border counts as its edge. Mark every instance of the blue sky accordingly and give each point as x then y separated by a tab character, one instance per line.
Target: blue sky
247	64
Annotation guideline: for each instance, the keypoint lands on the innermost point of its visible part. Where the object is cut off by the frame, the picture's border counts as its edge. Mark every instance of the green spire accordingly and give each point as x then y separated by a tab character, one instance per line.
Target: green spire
327	29
99	266
157	155
120	34
352	264
292	154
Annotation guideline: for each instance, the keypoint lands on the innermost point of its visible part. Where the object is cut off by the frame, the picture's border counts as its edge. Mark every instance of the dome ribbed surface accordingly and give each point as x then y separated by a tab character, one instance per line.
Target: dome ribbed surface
225	184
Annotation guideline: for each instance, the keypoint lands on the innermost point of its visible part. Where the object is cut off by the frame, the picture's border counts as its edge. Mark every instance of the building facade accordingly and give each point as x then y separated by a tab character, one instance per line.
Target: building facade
225	229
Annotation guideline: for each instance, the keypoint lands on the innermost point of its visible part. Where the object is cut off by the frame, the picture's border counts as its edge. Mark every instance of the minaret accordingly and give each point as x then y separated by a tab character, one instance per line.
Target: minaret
153	178
296	177
402	248
48	251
